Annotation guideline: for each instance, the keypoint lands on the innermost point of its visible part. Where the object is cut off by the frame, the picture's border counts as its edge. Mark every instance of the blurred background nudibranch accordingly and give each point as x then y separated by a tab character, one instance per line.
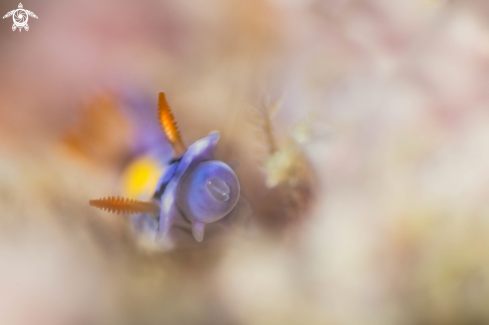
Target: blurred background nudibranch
193	193
357	130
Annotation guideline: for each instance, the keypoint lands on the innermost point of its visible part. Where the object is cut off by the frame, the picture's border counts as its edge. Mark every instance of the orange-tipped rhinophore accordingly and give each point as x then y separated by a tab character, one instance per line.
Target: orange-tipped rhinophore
123	205
169	126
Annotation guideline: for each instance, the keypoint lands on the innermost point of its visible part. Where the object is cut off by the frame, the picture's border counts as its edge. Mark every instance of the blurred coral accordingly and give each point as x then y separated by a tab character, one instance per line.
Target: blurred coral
392	198
101	134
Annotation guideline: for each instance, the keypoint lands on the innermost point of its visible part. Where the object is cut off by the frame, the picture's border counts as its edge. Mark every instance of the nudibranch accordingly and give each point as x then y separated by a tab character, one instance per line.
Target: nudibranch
194	190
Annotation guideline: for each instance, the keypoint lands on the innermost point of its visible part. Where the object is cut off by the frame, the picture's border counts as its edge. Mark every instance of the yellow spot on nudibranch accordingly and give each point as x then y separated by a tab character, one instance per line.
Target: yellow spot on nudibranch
141	177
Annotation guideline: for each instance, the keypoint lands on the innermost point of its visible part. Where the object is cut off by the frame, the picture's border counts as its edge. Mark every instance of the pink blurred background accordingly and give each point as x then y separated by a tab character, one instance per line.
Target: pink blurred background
384	103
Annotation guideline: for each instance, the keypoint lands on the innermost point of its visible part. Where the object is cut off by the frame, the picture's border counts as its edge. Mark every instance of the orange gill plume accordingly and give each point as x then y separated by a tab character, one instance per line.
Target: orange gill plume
124	205
169	126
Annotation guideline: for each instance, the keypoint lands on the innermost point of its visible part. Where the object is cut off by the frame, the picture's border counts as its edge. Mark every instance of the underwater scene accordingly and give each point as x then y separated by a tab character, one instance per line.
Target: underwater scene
244	162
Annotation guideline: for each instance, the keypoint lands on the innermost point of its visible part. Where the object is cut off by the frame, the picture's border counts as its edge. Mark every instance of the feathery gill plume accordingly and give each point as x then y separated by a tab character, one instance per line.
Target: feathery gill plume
169	126
124	205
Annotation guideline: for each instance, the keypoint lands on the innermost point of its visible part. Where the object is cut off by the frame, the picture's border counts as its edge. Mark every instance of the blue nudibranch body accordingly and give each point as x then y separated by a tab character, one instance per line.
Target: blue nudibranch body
194	190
